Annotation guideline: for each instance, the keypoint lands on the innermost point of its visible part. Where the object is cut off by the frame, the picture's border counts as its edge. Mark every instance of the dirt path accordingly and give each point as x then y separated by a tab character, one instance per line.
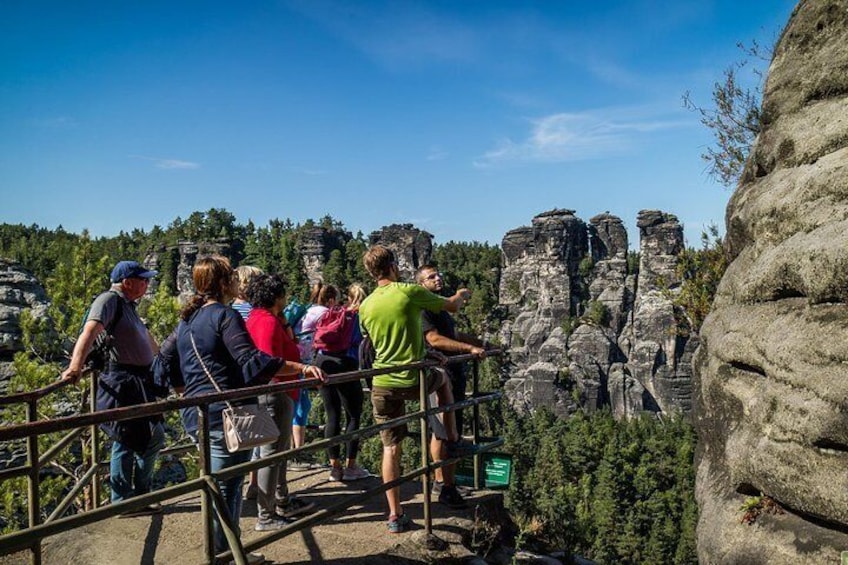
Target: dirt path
357	536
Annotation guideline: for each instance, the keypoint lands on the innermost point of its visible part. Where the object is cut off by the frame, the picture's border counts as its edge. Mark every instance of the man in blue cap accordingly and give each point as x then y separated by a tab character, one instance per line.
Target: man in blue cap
126	379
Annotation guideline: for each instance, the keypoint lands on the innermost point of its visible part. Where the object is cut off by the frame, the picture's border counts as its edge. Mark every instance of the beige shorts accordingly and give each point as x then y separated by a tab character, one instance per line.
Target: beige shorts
389	404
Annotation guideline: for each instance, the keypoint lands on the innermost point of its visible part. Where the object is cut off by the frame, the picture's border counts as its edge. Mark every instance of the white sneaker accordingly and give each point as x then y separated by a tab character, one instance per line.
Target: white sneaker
355	473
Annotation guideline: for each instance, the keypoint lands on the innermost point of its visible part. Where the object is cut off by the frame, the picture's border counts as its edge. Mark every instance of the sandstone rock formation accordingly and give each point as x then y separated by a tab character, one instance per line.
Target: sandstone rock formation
413	247
771	408
657	356
19	291
539	288
317	243
584	332
189	251
610	284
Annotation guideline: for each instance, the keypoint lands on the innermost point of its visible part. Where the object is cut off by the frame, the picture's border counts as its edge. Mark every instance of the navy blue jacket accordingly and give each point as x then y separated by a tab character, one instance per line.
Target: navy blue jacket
228	353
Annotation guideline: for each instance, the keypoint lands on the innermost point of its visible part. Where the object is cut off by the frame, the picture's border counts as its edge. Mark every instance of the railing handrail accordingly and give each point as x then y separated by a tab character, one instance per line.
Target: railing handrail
20	431
31	536
37	394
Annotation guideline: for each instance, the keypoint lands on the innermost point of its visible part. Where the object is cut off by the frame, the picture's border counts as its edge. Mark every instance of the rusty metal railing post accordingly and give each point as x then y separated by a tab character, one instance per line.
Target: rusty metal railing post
33	498
425	453
94	435
475	421
206	508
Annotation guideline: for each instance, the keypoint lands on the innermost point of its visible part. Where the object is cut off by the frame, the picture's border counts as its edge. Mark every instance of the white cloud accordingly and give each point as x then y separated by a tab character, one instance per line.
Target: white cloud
396	34
575	137
436	153
176	164
169	164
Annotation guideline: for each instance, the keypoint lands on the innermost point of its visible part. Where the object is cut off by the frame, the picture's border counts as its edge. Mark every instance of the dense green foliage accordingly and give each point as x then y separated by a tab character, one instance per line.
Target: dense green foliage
597	313
475	266
36	367
273	248
700	271
614	492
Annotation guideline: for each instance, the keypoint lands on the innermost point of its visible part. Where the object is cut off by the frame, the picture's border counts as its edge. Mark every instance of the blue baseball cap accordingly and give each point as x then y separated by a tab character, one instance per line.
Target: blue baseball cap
129	269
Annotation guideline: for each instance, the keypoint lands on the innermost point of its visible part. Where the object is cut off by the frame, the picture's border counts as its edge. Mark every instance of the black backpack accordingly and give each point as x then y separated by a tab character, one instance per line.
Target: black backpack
103	349
366	353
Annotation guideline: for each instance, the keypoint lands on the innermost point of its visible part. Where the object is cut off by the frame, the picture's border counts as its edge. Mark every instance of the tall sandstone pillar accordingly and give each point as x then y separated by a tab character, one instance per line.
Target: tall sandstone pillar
771	409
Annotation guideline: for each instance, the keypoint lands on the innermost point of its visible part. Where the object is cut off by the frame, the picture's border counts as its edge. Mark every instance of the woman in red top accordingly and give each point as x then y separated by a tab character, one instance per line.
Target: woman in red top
275	507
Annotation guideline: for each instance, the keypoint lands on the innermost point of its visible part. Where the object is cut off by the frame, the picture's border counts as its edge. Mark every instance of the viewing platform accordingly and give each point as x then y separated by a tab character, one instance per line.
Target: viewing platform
348	524
357	536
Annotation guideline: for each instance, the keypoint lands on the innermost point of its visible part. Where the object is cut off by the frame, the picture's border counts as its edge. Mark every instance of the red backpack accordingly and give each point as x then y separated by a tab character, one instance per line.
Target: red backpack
334	330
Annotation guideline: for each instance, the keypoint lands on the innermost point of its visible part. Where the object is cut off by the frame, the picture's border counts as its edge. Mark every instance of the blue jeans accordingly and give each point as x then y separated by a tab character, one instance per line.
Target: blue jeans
230	489
130	473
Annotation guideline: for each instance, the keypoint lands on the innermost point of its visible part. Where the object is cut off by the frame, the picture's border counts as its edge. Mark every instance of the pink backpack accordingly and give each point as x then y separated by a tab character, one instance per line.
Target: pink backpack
334	330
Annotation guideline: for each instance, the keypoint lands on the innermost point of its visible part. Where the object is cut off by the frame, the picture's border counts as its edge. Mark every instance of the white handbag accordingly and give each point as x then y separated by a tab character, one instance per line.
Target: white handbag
248	426
245	426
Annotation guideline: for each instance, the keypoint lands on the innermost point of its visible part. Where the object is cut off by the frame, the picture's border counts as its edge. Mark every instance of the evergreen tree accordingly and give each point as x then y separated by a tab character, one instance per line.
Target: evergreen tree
334	271
291	266
75	283
354	268
161	314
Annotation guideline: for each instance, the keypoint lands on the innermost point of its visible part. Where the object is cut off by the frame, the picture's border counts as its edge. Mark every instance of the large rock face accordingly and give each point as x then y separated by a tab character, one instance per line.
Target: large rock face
316	246
539	287
657	356
583	331
412	246
19	291
189	251
771	409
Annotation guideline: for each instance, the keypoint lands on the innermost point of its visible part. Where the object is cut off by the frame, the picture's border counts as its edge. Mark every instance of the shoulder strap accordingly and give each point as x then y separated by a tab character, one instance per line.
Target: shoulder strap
202	364
119	311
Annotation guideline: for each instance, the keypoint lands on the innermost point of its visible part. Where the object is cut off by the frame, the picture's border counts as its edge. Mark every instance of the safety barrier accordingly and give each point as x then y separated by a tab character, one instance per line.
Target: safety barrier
211	499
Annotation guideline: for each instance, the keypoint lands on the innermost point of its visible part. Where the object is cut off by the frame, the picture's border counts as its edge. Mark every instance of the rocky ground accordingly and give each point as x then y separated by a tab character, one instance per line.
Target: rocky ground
358	536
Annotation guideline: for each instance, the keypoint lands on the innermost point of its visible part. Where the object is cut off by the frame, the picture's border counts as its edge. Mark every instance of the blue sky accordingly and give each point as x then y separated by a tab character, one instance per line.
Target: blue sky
465	118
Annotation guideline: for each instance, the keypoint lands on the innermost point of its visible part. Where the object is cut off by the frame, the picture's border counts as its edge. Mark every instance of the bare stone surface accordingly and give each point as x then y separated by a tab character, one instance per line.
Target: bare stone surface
357	537
660	242
626	393
412	247
316	244
189	252
771	396
19	291
554	270
608	237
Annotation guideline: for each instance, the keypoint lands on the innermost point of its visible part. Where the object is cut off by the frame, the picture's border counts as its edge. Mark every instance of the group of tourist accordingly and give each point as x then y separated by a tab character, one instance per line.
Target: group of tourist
233	334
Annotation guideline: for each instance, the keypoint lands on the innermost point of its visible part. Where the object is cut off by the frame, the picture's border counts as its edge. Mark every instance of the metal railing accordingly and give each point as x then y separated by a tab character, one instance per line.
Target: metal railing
211	498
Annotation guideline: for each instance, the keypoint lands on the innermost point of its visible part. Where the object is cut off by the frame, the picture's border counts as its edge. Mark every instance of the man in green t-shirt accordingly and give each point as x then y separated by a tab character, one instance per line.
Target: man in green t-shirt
391	316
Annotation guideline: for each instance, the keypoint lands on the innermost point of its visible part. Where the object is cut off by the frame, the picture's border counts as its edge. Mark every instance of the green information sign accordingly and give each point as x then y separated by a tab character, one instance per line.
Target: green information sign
497	468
